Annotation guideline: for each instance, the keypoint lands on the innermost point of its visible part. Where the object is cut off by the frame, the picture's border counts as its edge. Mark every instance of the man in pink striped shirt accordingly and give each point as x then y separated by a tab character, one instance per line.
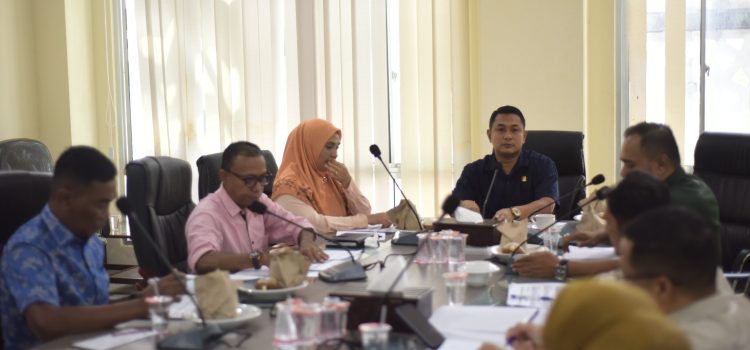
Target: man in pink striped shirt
223	234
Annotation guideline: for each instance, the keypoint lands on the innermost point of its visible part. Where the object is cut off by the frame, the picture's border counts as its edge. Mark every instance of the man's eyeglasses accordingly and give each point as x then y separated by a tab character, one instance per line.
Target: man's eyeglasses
252	180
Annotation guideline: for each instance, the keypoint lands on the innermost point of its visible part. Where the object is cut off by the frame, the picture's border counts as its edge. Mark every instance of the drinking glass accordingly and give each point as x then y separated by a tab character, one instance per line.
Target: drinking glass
438	248
424	255
455	285
374	335
306	319
551	240
158	311
456	243
333	318
286	328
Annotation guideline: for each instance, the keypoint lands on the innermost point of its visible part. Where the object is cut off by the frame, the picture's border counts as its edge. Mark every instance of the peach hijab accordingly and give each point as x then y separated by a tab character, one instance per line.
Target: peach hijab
298	175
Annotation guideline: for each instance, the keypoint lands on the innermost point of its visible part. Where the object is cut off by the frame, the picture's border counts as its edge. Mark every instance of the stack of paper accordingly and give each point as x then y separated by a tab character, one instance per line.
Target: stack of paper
465	327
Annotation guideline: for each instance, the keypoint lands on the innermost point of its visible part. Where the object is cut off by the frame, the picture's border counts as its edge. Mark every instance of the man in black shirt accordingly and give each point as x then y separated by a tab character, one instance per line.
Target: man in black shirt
524	180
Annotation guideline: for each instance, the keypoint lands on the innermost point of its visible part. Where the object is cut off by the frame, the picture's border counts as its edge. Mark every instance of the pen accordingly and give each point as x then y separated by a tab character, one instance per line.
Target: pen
529	320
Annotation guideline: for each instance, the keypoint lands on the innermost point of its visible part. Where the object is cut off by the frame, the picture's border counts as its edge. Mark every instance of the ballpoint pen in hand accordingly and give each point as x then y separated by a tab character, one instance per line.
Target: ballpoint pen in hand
528	321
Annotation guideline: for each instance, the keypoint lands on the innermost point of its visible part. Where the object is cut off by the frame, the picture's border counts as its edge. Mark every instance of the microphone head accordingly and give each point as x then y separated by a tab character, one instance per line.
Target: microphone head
602	193
375	150
450	204
123	203
258	208
598	179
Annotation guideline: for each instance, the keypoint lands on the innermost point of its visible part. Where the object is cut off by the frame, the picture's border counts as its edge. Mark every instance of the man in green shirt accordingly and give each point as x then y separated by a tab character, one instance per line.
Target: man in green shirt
652	148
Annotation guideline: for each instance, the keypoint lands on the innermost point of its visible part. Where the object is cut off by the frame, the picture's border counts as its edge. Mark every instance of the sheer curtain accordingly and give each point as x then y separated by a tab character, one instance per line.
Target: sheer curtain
203	74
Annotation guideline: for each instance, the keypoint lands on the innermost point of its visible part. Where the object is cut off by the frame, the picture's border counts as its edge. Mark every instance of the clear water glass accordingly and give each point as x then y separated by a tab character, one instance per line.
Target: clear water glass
333	318
158	311
374	335
286	328
455	286
424	252
438	248
551	240
306	319
456	243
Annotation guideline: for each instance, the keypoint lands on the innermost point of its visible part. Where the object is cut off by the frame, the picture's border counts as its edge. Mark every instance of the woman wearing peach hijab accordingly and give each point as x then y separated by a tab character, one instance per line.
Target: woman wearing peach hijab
312	184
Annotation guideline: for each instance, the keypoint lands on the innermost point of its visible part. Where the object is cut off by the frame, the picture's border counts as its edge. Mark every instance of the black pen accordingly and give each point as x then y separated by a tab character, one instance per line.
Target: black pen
529	320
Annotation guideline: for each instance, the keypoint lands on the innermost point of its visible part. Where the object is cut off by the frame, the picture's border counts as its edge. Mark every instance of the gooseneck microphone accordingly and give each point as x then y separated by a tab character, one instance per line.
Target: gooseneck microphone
375	150
193	339
449	206
601	194
347	271
489	191
596	180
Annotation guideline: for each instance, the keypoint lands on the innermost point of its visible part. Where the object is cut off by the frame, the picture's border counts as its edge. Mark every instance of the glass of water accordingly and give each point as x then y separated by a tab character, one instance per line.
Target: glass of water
333	318
551	240
374	335
158	310
455	286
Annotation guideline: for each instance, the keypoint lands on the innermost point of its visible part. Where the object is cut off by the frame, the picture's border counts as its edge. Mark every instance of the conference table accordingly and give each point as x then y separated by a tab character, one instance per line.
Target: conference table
261	329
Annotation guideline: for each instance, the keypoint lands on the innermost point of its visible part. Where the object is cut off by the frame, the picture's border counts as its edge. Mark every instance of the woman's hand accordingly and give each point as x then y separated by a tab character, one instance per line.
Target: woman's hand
339	173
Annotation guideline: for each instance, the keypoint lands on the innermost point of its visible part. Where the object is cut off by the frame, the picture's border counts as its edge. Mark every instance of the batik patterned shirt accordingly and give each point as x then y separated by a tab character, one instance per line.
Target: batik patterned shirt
44	262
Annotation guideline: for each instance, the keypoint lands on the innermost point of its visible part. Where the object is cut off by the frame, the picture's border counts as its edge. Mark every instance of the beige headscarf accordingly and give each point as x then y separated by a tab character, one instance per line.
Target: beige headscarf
298	175
609	315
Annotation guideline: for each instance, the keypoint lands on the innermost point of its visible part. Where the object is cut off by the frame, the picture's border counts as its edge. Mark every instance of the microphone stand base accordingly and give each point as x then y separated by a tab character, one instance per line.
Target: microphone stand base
344	272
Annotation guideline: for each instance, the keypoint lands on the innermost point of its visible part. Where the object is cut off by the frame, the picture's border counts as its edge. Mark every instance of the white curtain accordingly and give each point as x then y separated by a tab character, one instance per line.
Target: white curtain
205	73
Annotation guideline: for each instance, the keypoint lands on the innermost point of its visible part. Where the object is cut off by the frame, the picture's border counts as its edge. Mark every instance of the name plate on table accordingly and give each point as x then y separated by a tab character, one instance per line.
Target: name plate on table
482	234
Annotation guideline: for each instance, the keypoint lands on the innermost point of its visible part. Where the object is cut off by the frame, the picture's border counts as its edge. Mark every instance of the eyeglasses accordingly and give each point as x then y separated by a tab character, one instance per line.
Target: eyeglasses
252	180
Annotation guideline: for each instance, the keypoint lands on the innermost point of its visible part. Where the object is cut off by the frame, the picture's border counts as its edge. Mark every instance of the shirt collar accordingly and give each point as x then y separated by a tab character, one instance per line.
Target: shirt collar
490	163
231	207
61	234
676	176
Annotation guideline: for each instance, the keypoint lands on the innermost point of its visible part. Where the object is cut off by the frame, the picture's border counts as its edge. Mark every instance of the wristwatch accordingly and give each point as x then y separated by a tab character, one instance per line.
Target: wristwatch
516	213
255	259
561	271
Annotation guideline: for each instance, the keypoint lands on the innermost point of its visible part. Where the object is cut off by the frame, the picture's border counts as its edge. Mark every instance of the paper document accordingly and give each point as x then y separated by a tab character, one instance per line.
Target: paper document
462	324
335	257
465	215
590	253
538	295
114	339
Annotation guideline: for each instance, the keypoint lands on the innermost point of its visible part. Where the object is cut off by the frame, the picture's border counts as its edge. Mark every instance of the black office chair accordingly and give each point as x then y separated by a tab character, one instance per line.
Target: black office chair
25	154
24	195
566	150
159	191
723	161
208	173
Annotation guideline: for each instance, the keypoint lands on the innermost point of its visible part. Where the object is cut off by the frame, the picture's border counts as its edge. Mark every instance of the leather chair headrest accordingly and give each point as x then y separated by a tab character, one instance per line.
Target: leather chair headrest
723	153
23	194
564	147
171	181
